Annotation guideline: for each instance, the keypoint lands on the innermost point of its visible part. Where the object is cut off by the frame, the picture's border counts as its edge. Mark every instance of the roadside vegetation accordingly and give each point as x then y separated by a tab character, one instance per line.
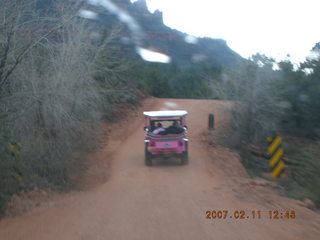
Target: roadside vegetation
175	81
56	84
284	101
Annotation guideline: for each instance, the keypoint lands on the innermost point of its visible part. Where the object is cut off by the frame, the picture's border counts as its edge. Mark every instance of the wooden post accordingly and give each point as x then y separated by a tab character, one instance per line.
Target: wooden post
211	121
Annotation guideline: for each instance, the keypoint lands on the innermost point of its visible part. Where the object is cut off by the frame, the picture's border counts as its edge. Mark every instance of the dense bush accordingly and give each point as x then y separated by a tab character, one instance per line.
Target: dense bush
255	114
305	175
269	102
56	84
301	93
173	80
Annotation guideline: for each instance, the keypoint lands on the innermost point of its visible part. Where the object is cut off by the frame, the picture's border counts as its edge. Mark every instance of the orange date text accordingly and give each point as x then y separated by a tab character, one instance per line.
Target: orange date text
250	214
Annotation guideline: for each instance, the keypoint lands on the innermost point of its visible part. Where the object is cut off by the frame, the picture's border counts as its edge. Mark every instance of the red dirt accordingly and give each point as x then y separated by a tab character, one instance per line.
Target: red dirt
124	199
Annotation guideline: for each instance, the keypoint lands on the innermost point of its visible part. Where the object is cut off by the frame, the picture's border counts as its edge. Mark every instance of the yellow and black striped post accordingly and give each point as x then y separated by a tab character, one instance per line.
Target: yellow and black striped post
14	148
275	153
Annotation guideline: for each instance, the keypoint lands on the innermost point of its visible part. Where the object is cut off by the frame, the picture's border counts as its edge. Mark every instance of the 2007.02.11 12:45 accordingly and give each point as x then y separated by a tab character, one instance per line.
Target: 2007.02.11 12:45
255	214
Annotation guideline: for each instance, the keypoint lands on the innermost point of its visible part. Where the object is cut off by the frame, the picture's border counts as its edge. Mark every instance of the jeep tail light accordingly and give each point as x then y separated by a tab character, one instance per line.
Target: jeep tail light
180	143
152	144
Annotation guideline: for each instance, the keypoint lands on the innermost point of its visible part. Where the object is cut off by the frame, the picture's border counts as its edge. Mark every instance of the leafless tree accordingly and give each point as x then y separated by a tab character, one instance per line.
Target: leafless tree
255	109
49	97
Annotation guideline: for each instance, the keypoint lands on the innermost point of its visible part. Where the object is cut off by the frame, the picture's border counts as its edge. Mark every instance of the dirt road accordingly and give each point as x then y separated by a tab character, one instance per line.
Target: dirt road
166	201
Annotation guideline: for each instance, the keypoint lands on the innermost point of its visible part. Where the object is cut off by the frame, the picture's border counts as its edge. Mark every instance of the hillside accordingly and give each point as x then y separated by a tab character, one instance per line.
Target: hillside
182	48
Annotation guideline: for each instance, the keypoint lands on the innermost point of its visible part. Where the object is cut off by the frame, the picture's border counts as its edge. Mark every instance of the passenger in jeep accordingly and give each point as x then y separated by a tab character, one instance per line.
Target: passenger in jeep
159	129
175	128
152	126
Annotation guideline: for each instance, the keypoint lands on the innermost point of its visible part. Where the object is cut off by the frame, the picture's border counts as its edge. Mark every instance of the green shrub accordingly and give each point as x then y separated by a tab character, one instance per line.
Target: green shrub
305	175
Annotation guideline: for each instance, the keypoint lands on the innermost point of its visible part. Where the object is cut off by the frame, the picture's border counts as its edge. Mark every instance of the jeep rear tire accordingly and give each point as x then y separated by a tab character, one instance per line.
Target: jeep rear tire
147	157
185	157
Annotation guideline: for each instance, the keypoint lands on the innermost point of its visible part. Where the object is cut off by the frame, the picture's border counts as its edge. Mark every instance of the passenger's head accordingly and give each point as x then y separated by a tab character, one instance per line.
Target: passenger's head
159	125
175	123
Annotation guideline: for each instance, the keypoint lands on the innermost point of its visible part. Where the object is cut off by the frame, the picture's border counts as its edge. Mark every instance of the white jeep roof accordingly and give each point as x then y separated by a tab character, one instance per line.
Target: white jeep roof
176	113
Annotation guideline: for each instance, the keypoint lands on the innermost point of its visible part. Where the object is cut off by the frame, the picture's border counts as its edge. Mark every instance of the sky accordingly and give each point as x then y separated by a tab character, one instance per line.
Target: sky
272	27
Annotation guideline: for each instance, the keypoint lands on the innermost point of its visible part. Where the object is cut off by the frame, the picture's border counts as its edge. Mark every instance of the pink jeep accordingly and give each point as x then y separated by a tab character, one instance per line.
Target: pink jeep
165	135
